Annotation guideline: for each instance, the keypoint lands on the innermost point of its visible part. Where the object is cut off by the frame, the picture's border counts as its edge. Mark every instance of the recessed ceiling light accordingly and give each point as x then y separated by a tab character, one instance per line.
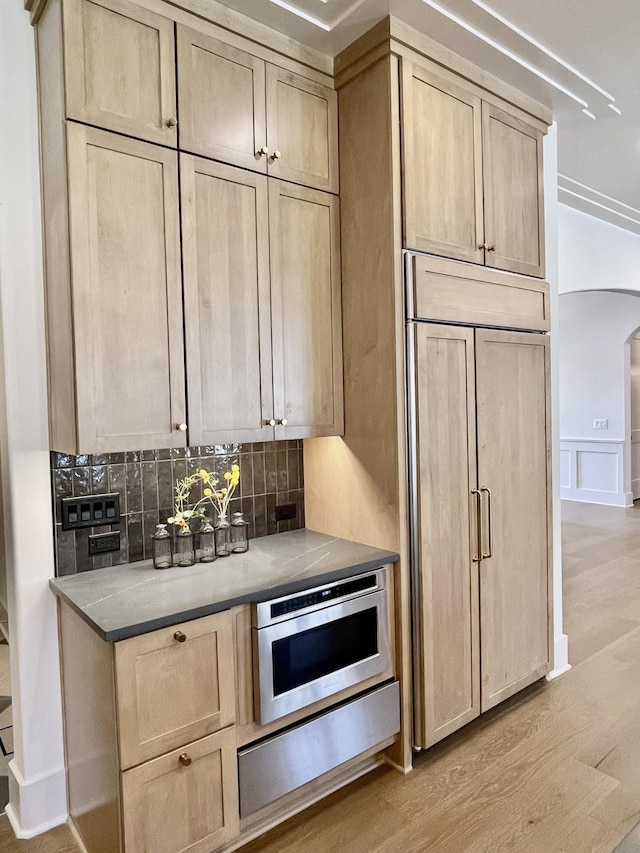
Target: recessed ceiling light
615	109
587	113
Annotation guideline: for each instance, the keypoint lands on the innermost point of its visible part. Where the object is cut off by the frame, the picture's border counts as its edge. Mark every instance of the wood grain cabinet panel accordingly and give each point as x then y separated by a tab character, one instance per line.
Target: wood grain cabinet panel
225	229
442	166
173	686
185	801
306	317
120	68
482	414
239	109
514	463
221	92
513	192
126	299
472	175
302	127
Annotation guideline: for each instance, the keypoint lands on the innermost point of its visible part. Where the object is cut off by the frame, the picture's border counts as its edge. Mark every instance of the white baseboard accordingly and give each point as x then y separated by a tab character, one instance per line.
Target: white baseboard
560	657
37	805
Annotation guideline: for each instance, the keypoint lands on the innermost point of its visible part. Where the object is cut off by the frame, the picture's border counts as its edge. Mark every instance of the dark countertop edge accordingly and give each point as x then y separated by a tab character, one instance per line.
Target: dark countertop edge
114	634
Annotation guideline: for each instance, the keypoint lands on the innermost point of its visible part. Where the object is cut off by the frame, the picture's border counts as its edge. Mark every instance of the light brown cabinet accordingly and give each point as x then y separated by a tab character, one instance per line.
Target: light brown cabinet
237	108
262	280
483	548
117	331
472	175
151	737
115	334
119	68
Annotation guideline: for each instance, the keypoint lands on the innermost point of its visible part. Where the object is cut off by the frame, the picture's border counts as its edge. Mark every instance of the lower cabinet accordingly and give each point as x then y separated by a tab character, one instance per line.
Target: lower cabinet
482	568
184	800
150	737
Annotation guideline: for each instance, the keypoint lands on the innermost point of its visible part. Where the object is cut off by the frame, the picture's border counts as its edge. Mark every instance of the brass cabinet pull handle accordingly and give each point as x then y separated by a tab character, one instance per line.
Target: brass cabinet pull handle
490	525
185	759
180	636
476	557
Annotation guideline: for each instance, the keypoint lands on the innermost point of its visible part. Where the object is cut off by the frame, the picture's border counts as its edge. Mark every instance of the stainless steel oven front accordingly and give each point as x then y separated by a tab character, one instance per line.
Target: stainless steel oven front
316	643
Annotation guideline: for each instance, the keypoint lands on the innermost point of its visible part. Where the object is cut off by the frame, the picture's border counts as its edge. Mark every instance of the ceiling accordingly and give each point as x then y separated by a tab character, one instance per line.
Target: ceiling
569	54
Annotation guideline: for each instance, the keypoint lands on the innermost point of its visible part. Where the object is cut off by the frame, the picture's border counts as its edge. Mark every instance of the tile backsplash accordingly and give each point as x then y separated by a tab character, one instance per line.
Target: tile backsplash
270	475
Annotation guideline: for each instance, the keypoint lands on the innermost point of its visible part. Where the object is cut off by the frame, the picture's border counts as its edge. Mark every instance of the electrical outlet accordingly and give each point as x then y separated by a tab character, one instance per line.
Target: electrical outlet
285	511
102	543
601	423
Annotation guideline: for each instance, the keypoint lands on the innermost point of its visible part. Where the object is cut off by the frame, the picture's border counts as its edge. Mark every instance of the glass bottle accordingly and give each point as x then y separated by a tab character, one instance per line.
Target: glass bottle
207	538
161	544
185	554
239	534
223	536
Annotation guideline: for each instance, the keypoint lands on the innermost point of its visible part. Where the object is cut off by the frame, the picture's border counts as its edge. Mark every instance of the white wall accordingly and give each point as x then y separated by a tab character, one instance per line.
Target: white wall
594	327
594	255
561	650
37	784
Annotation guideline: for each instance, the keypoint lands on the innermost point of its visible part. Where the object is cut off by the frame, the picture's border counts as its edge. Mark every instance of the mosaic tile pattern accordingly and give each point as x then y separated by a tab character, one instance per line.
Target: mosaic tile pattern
270	475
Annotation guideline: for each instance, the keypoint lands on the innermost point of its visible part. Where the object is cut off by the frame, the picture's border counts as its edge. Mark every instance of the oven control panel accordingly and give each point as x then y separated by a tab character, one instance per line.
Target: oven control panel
277	609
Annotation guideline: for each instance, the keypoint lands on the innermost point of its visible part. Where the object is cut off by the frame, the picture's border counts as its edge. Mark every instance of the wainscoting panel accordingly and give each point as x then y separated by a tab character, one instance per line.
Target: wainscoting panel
593	471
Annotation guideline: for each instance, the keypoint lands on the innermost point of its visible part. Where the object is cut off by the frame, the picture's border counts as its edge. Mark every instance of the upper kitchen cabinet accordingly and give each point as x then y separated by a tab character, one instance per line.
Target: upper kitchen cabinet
119	68
472	173
239	109
262	306
115	335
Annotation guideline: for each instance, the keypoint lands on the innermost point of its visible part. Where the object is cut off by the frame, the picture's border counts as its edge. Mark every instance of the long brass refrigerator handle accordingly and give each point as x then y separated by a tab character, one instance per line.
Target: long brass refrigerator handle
478	526
490	524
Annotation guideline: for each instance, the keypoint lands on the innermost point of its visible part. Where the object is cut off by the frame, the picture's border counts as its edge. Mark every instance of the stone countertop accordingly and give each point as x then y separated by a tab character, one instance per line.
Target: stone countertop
124	601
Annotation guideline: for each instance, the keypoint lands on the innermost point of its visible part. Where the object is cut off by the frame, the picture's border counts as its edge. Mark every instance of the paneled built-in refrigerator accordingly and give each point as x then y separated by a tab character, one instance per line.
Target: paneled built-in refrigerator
478	410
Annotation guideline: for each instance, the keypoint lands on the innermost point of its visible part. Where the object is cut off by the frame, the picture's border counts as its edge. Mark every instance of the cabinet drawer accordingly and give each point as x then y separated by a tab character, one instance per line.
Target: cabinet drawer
186	800
457	293
171	690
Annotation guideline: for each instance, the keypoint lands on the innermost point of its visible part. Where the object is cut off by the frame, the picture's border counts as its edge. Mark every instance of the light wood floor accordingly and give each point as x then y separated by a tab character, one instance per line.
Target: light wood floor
555	769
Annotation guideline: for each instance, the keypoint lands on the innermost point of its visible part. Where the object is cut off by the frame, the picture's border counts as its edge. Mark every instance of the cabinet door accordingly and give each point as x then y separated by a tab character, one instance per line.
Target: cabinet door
126	292
306	316
442	168
222	101
448	689
185	801
513	193
302	128
512	375
174	685
120	68
225	234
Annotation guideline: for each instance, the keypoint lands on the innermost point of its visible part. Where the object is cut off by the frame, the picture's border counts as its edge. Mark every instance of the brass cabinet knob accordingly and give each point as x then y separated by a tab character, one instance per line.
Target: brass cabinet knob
263	150
180	636
181	427
283	421
185	759
491	248
276	155
270	422
172	122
